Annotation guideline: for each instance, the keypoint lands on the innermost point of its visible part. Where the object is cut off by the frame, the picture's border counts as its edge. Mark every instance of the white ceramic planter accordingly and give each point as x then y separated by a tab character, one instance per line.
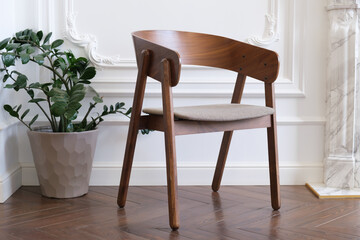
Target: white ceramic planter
63	161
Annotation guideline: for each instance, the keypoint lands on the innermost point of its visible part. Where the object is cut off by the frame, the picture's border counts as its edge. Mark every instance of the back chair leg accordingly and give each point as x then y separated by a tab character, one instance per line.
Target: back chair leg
224	149
133	128
273	167
225	144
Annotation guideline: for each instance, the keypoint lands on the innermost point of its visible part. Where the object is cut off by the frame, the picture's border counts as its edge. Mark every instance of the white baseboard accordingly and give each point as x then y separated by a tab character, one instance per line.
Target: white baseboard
108	174
10	183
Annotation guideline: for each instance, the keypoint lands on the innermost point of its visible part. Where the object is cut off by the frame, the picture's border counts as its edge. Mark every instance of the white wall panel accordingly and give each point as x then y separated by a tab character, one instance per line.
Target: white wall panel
101	30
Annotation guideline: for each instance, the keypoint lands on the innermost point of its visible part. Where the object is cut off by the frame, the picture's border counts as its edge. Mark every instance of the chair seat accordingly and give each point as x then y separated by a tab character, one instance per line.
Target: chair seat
216	112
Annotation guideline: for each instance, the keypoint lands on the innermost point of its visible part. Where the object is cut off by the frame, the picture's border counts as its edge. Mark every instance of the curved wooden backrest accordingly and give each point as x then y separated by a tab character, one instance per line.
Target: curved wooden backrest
205	50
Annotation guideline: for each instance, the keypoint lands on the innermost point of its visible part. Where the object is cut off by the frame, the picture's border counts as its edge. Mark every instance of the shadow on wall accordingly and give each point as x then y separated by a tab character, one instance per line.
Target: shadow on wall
9	153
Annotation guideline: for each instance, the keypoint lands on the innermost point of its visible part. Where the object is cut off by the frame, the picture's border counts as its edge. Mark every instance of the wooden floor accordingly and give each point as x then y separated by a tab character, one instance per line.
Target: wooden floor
241	212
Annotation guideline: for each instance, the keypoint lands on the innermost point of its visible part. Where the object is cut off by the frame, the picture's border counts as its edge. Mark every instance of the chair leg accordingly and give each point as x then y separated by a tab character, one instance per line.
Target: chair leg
133	128
127	164
171	171
169	132
273	167
224	149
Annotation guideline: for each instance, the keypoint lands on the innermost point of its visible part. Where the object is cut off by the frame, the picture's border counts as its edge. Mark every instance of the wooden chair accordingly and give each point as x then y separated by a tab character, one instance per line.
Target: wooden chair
159	55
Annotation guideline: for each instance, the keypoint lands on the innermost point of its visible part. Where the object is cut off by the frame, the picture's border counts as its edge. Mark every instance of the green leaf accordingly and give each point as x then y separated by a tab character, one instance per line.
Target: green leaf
39	59
70	114
25	58
24	114
89	73
60	62
39	35
23	47
105	108
85	82
27	32
57	83
33	120
58	95
12	46
70	57
18	34
8	108
16	72
10	86
47	38
70	127
30	50
128	111
119	105
46	47
34	38
58	108
97	99
45	88
57	43
74	105
74	79
6	77
4	43
14	114
8	59
77	96
18	108
36	100
45	85
31	93
11	111
35	85
82	60
21	81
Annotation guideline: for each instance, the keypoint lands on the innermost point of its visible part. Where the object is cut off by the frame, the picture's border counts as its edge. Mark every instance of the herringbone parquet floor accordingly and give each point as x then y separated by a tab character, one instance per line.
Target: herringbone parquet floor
236	212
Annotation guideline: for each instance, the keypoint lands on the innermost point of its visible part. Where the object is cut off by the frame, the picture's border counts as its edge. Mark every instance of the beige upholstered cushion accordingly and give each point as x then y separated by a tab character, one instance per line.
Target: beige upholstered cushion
216	112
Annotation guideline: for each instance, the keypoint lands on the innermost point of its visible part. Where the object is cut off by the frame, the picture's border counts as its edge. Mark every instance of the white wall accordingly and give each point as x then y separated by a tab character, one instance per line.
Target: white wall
101	29
10	171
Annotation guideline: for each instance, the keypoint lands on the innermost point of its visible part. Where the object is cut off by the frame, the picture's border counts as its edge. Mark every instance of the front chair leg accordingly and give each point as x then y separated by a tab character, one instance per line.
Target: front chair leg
133	128
273	166
127	163
172	186
169	131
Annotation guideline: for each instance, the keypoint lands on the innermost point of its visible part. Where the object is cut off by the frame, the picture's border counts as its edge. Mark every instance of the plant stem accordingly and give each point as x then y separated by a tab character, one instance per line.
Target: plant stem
54	125
25	124
88	112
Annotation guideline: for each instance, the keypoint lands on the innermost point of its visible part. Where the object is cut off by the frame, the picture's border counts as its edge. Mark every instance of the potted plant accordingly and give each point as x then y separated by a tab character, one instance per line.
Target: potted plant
63	151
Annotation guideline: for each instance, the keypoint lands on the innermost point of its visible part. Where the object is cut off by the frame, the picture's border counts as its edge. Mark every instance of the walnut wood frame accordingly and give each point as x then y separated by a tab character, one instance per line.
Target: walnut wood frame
159	55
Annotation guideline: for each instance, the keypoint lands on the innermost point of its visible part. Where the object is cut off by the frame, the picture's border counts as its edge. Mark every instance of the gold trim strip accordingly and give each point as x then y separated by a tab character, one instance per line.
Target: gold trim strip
329	196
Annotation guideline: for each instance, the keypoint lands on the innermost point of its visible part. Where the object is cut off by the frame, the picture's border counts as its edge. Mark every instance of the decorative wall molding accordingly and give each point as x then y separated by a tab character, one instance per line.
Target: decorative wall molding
155	174
343	4
271	31
89	42
294	79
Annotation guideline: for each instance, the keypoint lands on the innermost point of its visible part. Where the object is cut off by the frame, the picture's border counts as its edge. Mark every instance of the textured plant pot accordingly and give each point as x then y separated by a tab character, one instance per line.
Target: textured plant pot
63	161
